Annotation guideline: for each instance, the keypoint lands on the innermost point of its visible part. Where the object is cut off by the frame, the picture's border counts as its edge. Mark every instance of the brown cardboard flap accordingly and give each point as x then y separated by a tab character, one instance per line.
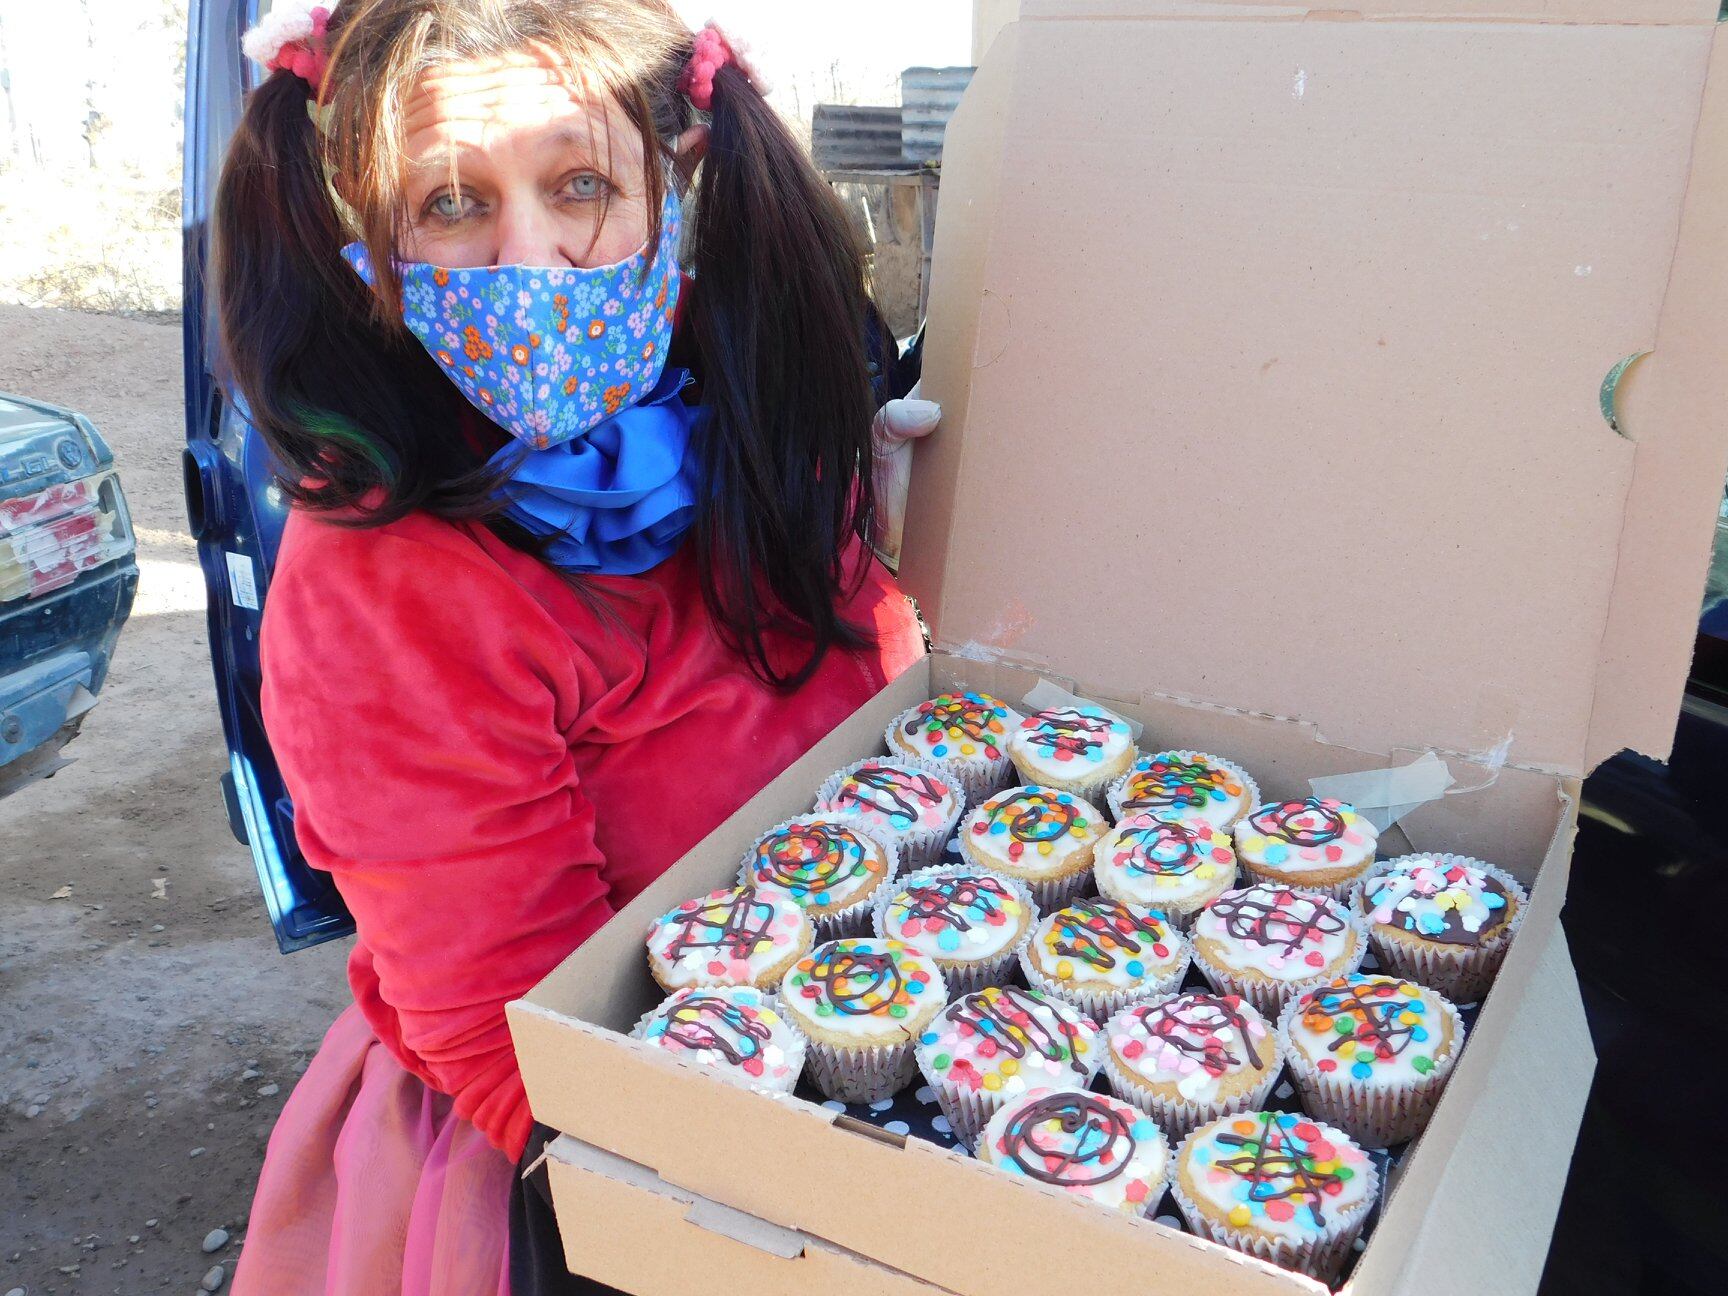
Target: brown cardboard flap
1702	12
1271	354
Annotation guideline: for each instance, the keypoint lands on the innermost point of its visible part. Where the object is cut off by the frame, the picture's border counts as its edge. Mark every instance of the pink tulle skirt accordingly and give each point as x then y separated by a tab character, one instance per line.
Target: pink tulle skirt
372	1186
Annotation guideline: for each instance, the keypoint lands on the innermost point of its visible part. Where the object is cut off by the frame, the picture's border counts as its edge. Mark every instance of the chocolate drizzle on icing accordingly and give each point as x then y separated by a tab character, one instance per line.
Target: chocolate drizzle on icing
1096	931
955	900
1280	918
969	713
735	924
1090	1145
890	791
807	857
1035	815
1308	822
1374	1022
1450	904
1163	782
1165	848
857	982
707	1021
1280	1165
1007	1016
1195	1025
1068	730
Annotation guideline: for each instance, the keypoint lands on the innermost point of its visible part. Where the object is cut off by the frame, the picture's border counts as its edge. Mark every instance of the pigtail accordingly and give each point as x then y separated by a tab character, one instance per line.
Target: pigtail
779	314
332	390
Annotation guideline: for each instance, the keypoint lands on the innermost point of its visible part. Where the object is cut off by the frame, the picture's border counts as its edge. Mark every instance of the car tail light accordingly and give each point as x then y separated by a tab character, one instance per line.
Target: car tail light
51	538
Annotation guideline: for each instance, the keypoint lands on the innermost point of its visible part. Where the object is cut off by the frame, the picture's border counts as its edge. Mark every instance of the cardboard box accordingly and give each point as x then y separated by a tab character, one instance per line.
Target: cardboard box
1277	351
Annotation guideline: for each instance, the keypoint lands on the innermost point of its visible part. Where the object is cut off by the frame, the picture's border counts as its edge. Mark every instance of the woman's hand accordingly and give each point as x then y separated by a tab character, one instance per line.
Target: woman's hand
898	424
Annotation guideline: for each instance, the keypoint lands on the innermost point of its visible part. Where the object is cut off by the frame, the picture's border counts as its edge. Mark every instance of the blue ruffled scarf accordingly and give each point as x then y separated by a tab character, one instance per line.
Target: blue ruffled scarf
618	499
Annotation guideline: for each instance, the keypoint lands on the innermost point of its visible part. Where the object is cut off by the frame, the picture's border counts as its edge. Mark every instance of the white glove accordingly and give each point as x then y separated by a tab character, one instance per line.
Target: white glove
897	425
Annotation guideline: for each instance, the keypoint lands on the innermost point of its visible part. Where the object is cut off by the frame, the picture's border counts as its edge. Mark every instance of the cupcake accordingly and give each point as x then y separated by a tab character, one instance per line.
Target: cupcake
1370	1054
1043	837
1191	1058
988	1047
744	936
833	868
734	1030
1176	866
1268	943
1184	785
1276	1185
965	733
1443	920
1085	1143
861	1004
905	802
968	922
1078	749
1314	843
1101	955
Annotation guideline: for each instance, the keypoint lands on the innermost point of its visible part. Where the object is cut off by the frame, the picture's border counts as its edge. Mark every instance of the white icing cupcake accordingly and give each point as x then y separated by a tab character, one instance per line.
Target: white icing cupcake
1311	842
1087	1144
742	936
1101	955
965	733
1184	785
903	800
1041	836
970	922
834	868
1268	943
1176	866
733	1030
1078	749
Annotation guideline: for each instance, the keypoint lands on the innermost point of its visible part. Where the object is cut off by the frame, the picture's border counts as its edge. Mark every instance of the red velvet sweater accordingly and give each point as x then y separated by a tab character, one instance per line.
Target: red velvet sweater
490	767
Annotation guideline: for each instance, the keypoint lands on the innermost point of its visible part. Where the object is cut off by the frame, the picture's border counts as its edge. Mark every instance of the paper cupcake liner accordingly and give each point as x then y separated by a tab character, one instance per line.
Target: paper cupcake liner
1101	1003
1343	892
731	1075
860	1075
919	848
851	919
1463	973
772	983
1270	996
979	777
1322	1257
968	976
1251	789
1180	1117
1373	1116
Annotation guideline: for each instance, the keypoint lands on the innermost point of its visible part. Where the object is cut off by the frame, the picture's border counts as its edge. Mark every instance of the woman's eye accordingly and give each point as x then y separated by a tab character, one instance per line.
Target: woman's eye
587	186
451	206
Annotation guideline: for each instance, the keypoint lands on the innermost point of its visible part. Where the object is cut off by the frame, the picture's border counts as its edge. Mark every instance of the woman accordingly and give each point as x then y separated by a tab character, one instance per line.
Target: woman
576	561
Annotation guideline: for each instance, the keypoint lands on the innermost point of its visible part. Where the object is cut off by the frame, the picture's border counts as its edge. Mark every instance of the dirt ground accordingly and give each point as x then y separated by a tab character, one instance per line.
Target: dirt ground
146	1044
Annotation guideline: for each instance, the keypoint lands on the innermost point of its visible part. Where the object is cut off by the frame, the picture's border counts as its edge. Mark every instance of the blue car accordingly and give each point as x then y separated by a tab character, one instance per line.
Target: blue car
68	574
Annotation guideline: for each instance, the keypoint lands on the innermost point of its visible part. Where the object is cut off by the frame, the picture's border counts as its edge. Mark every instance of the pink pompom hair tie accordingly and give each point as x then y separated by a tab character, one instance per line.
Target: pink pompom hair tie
712	50
291	38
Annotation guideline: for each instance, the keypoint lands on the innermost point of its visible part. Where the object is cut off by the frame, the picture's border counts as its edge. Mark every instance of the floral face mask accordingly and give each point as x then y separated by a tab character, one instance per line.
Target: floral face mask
547	352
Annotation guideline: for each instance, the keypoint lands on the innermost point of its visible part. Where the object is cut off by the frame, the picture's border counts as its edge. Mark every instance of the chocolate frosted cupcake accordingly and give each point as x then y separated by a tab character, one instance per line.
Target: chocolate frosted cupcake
969	922
733	1030
1192	1058
1445	921
1078	749
742	936
1279	1186
1184	785
988	1047
1267	943
965	733
1371	1054
903	800
861	1004
833	868
1101	955
1312	842
1084	1143
1176	866
1040	836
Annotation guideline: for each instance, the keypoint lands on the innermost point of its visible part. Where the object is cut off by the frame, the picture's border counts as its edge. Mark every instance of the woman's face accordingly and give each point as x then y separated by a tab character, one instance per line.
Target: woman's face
510	161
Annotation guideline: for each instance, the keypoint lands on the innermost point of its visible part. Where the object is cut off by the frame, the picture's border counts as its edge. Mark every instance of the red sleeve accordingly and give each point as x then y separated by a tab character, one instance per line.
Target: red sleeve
419	703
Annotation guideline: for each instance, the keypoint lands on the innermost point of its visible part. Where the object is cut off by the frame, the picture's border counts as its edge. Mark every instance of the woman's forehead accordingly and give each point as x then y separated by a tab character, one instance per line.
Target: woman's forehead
516	102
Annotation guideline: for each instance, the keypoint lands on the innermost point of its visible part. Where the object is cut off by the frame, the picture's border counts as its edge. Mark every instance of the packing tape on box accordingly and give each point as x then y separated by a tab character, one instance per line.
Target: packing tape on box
1386	795
1045	696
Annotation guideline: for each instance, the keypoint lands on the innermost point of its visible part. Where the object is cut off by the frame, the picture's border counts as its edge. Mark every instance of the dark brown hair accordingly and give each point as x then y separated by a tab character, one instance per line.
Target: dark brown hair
365	425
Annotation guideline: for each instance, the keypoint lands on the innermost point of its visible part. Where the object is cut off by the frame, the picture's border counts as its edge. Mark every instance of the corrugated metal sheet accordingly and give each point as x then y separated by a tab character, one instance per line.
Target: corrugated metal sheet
928	97
856	137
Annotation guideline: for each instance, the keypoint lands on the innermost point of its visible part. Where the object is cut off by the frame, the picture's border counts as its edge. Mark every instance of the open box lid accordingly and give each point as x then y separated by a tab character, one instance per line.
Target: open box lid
1277	355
